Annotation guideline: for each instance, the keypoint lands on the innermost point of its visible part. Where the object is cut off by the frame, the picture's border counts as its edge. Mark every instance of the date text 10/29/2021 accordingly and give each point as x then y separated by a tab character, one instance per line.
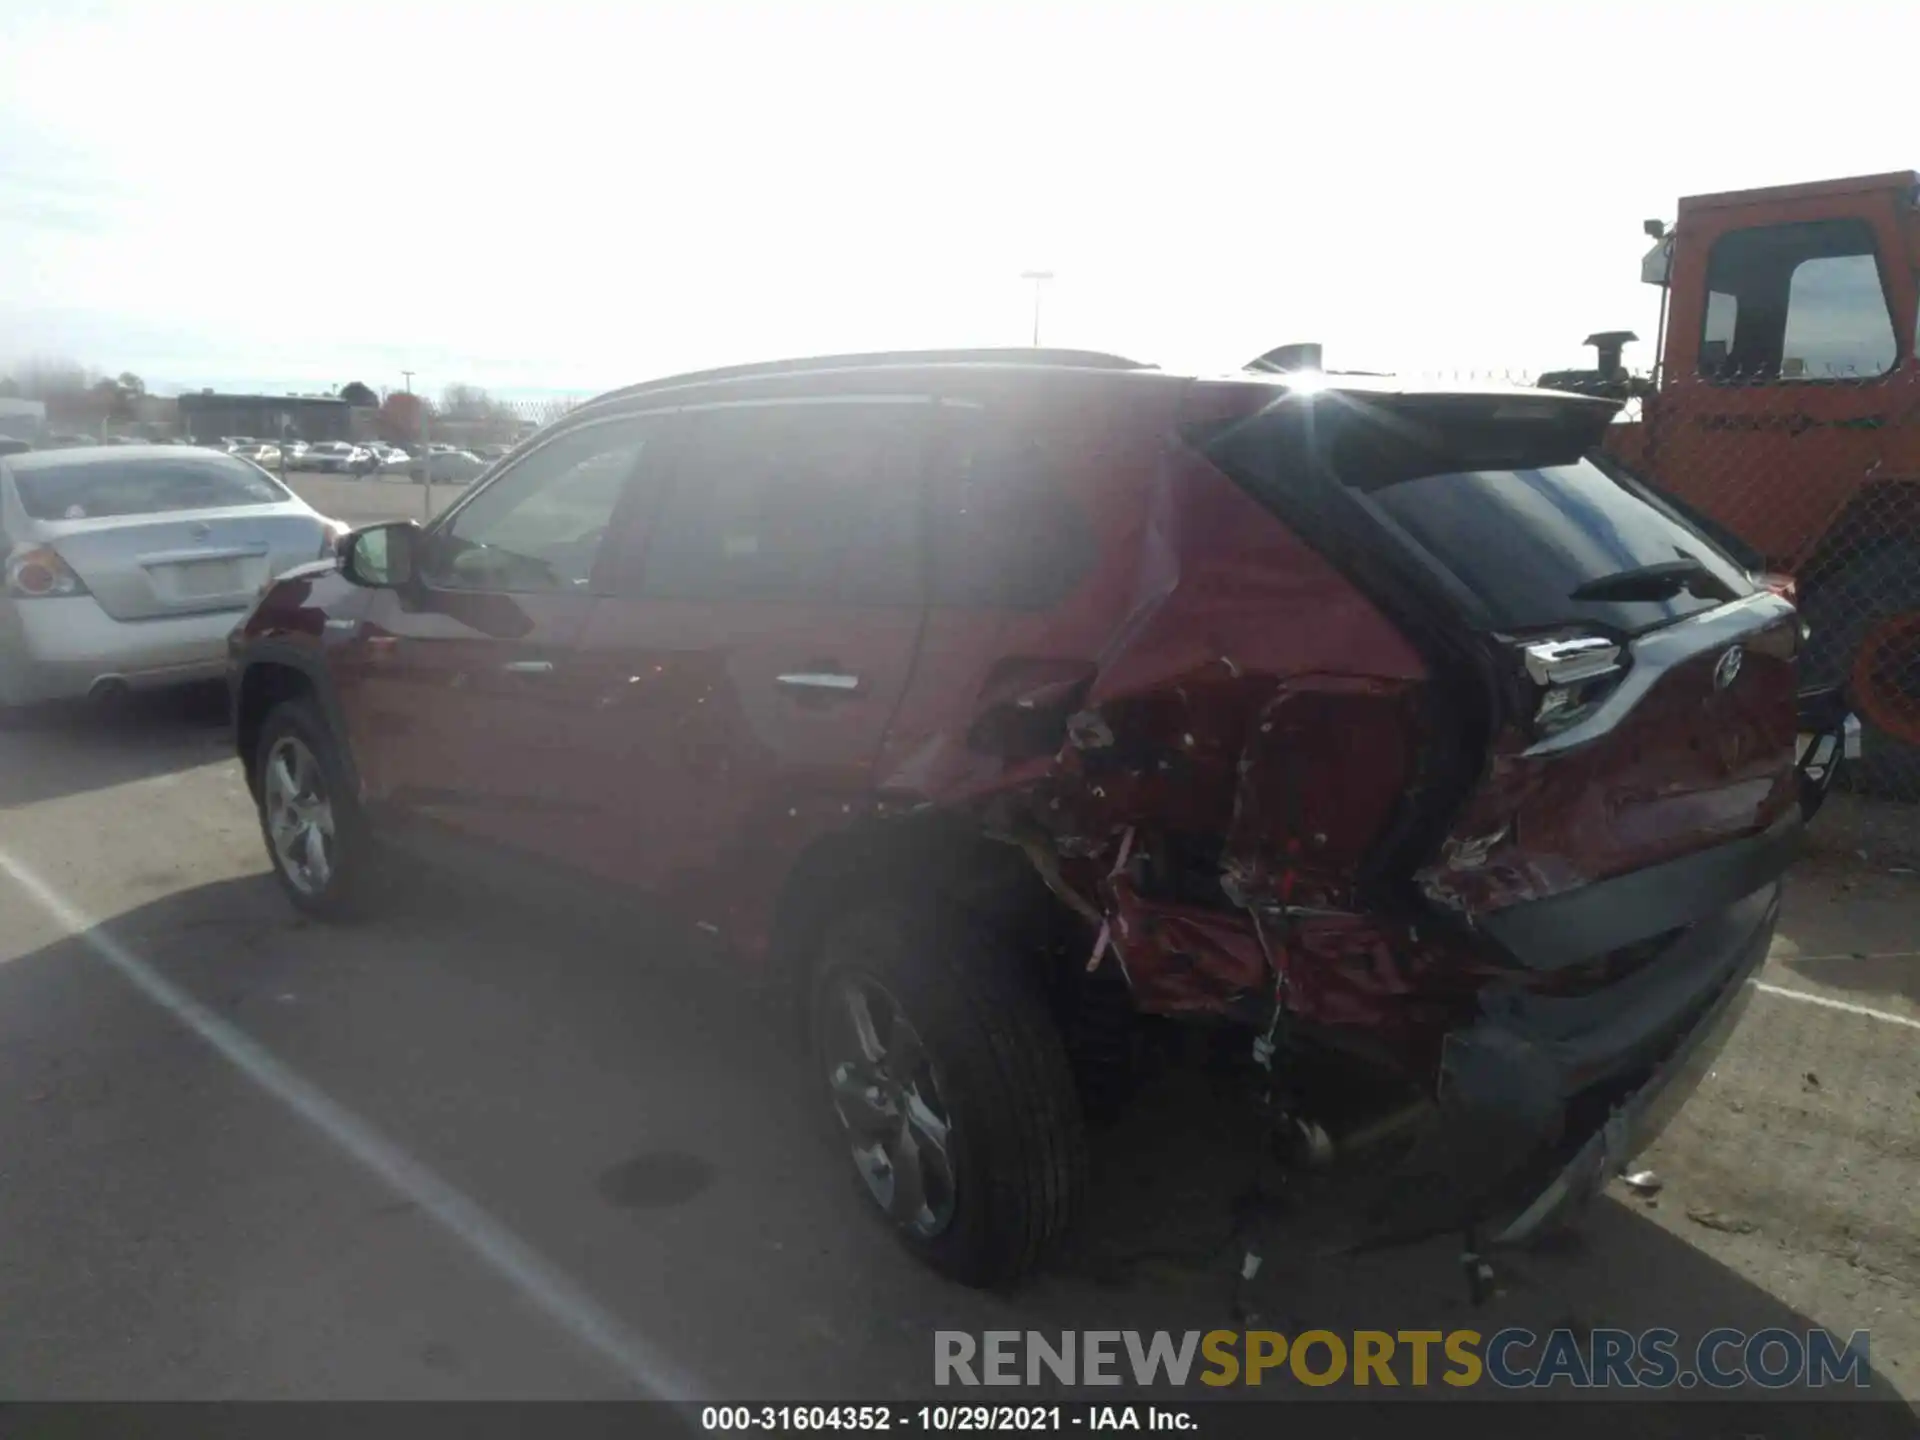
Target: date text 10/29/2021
943	1418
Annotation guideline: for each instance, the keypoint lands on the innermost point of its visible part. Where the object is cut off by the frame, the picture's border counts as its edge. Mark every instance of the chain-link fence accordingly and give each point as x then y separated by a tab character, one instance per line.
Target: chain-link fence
1814	477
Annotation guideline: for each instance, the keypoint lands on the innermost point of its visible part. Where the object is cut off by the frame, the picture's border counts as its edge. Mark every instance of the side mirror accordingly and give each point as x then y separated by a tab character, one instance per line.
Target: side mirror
381	557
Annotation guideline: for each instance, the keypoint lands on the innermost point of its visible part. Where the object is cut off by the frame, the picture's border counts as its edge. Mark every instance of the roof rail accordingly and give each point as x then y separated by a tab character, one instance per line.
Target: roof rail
1022	355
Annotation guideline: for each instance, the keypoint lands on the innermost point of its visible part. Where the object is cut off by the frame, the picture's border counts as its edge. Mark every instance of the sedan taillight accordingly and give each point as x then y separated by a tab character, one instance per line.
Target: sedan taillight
35	572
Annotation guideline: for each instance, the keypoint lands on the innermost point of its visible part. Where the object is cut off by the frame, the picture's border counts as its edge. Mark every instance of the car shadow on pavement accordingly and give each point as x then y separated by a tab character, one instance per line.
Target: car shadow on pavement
53	750
598	1079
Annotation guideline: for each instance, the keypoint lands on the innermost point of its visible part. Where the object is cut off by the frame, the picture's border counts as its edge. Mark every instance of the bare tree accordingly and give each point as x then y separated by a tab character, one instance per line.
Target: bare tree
54	380
465	402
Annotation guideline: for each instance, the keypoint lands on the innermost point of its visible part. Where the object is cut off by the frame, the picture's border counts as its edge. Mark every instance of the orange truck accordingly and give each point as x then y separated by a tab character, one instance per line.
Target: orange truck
1784	407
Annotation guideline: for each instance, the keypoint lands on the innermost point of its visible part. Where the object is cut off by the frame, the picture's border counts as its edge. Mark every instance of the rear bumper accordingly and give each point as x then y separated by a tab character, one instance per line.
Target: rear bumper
1637	1121
1642	905
58	649
1544	1098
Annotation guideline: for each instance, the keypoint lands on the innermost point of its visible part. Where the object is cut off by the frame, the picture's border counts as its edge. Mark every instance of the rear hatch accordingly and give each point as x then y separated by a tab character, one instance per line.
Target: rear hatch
1619	693
155	536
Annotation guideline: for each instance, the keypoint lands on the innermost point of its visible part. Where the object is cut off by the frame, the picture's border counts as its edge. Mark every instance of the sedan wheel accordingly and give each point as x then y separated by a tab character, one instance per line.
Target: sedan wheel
299	816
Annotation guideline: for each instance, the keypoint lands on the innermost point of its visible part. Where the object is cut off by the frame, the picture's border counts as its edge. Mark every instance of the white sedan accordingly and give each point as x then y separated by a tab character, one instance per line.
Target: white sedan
127	566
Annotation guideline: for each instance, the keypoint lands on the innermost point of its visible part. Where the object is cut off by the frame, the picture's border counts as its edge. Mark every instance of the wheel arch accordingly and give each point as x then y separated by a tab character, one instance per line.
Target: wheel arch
271	676
930	858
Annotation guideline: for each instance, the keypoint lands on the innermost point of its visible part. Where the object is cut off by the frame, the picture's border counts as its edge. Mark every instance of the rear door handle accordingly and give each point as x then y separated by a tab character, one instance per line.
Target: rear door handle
528	667
819	680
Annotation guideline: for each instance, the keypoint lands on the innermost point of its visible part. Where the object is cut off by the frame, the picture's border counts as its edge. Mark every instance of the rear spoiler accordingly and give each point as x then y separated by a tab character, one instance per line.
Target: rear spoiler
1384	439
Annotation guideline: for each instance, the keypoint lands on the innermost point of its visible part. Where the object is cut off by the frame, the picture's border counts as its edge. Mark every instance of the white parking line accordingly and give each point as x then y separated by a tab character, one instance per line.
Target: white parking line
461	1217
1848	1006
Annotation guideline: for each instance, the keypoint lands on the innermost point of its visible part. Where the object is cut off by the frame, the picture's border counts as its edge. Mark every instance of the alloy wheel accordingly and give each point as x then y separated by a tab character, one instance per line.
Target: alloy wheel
884	1091
299	816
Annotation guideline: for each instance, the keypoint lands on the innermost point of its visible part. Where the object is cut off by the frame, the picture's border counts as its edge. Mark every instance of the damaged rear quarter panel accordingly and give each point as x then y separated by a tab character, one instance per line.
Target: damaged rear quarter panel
1688	767
1218	690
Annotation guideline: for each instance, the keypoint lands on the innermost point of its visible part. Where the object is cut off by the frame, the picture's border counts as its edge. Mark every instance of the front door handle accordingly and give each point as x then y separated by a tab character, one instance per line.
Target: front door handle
819	680
528	667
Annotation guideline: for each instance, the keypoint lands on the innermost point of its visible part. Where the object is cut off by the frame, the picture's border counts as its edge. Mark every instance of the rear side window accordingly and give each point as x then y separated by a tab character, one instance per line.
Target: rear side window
793	502
62	488
1006	533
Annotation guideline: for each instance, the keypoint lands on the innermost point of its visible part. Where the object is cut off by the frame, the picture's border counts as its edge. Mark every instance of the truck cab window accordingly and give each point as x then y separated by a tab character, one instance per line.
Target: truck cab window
1796	302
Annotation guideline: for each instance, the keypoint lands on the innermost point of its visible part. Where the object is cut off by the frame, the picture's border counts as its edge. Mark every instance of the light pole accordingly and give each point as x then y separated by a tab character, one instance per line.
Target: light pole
1039	278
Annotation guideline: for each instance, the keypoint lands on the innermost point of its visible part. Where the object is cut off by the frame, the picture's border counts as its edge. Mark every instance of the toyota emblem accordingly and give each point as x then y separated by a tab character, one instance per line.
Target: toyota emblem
1727	669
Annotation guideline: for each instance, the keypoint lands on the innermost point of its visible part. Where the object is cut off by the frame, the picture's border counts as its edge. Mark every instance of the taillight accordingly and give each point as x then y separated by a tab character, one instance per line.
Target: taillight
1788	589
1571	679
35	572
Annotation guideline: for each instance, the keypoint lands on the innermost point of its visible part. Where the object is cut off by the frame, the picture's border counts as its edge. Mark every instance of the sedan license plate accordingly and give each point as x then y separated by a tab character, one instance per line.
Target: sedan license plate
207	579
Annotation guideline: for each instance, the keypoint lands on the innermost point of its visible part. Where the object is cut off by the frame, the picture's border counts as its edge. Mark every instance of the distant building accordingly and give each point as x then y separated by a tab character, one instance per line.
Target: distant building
206	417
23	419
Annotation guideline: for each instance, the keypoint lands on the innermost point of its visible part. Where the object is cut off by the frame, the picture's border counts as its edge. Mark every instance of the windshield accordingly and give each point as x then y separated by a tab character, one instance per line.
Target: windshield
61	488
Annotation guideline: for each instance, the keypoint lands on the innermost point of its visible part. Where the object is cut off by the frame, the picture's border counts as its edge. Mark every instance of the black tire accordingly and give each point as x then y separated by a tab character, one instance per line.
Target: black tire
1844	610
347	892
1015	1138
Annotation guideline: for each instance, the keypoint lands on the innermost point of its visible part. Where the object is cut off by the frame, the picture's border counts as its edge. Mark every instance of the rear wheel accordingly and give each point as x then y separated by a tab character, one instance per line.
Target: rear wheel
316	838
949	1090
1866	635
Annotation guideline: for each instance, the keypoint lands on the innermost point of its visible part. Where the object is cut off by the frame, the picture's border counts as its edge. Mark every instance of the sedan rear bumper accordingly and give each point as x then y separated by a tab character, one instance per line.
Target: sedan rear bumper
59	649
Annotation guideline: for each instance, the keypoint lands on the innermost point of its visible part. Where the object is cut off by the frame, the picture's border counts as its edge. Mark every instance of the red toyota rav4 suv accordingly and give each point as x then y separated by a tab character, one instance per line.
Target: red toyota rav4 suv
983	695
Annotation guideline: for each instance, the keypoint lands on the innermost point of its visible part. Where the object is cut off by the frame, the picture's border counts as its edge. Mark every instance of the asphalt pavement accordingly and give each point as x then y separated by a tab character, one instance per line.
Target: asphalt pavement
476	1150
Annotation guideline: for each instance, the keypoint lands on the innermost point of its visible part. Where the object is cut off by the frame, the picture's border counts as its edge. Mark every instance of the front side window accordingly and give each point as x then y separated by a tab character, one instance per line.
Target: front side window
539	525
1796	302
793	502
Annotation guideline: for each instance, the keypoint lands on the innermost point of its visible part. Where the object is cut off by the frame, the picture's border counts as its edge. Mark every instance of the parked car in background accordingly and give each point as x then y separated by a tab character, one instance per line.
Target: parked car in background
127	566
446	466
230	443
295	452
997	703
261	453
390	457
491	453
333	457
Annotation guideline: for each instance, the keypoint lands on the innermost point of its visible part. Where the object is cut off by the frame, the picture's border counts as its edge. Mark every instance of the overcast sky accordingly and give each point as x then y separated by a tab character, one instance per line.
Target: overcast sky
567	196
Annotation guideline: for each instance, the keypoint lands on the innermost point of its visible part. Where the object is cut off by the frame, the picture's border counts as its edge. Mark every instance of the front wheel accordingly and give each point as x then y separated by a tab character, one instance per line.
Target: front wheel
949	1089
316	838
